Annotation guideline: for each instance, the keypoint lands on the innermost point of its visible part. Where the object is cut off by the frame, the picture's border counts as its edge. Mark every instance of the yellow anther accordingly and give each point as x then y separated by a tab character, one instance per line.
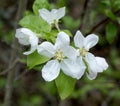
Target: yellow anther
59	55
83	52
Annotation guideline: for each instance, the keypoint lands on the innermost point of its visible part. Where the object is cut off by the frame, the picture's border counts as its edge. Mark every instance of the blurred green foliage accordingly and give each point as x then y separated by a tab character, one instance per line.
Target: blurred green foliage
67	20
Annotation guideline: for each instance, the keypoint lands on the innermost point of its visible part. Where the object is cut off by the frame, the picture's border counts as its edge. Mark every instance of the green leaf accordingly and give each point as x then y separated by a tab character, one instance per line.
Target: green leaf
105	2
39	4
68	32
51	37
116	4
35	59
109	14
61	3
65	85
111	32
71	23
35	23
118	19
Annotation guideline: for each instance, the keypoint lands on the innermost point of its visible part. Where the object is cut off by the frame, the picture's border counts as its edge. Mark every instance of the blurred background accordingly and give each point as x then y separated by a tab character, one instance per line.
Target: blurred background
27	88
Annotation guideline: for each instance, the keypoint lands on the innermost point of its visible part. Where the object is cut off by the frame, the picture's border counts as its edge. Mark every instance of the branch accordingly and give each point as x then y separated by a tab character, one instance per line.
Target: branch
101	23
21	75
14	51
86	12
10	67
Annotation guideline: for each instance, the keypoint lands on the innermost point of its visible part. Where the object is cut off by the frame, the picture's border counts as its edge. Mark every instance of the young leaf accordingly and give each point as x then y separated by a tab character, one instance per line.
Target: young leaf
39	4
71	23
105	2
68	32
111	32
65	85
110	14
35	59
50	36
116	4
118	19
61	3
35	23
53	34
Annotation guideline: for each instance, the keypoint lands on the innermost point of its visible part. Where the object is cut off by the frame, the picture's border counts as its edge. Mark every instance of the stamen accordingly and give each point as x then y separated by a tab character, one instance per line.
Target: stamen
59	55
83	52
55	22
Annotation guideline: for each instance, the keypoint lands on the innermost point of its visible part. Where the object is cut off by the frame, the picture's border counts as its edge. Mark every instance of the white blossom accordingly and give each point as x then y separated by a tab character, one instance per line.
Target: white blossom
26	37
53	16
94	64
63	56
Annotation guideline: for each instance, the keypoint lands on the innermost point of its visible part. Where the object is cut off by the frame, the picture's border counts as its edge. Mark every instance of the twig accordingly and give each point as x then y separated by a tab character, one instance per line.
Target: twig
85	15
11	71
101	23
21	75
10	67
98	25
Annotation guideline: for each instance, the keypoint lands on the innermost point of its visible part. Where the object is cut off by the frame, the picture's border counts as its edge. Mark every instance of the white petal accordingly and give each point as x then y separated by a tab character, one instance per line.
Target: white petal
33	48
51	70
92	63
46	15
23	35
79	39
34	43
59	13
27	37
75	69
46	49
33	40
91	75
90	41
70	52
102	63
62	39
54	14
54	11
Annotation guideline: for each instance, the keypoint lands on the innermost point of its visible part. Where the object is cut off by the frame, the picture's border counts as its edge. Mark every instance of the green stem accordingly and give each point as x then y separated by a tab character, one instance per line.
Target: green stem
57	26
86	64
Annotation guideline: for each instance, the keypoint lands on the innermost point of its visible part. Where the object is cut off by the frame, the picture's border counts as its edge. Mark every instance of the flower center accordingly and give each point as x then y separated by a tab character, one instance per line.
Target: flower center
55	23
83	52
59	55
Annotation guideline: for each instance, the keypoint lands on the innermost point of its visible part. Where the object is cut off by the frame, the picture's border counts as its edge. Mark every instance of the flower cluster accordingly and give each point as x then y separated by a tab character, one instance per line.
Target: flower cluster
73	61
